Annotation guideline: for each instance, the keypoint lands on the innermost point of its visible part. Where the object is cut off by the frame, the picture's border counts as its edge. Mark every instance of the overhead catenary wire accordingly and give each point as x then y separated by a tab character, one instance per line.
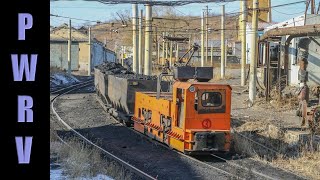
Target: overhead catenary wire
157	2
198	18
181	28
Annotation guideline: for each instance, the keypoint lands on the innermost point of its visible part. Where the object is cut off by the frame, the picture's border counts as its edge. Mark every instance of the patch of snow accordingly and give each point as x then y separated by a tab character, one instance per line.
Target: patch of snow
61	79
57	174
98	177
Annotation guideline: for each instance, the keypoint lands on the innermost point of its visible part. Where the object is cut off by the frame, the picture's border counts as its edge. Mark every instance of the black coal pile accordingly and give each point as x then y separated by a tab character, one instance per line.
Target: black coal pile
118	70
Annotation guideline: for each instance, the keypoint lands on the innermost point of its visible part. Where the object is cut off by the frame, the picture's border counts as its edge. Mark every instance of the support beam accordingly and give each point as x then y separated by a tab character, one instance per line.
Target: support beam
148	43
243	30
223	46
253	55
135	38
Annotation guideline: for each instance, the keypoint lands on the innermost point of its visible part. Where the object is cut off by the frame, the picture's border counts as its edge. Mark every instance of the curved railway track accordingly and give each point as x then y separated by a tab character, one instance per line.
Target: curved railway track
75	87
216	162
228	167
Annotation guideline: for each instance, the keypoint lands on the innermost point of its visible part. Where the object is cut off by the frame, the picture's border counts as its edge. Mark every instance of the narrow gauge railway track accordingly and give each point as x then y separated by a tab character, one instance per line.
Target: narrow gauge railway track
75	87
229	168
226	167
63	89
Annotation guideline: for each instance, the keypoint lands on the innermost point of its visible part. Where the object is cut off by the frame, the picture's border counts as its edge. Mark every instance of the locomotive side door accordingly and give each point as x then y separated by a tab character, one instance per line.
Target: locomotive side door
180	103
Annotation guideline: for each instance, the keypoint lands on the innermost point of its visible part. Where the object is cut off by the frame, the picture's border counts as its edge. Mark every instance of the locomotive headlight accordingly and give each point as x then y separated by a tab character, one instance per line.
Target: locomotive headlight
192	89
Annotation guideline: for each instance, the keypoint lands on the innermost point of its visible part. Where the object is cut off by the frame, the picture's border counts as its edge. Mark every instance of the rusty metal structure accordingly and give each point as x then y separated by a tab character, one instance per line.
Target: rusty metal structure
283	37
277	35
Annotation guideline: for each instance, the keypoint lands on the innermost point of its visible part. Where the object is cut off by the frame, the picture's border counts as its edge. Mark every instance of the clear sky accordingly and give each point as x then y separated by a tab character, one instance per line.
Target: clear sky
100	12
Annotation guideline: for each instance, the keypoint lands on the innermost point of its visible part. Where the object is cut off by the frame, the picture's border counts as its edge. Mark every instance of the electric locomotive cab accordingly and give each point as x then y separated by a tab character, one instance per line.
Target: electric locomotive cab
203	111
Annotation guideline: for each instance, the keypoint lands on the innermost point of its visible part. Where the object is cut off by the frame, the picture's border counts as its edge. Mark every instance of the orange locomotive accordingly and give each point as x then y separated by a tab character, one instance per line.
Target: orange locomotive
193	119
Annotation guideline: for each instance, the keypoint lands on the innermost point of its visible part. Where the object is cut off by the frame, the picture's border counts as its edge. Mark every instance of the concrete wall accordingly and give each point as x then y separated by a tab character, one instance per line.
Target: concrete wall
314	62
59	55
79	55
98	55
83	56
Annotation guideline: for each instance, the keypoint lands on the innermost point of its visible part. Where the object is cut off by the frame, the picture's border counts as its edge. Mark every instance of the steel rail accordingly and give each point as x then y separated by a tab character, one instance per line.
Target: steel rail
110	155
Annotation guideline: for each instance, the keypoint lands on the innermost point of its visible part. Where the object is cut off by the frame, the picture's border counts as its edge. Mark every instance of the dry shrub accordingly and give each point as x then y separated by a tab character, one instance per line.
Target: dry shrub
308	164
299	159
80	160
289	102
217	77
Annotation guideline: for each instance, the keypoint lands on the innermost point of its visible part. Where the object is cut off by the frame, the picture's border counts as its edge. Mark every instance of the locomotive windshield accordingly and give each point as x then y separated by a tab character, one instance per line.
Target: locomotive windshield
211	99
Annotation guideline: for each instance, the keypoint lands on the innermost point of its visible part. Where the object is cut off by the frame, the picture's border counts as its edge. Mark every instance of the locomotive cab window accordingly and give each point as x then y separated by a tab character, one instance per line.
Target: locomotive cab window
211	99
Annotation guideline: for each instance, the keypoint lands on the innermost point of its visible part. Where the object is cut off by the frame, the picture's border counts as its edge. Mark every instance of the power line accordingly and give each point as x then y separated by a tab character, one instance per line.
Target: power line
53	15
158	3
288	13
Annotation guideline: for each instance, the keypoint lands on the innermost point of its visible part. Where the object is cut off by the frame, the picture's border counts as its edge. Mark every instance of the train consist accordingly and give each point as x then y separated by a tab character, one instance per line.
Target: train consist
190	114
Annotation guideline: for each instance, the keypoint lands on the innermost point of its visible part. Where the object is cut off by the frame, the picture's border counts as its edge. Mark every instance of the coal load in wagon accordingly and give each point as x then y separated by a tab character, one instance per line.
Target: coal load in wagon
118	85
111	68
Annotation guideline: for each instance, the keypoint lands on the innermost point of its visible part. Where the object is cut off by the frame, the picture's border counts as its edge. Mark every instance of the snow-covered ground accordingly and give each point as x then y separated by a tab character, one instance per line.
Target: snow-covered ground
57	174
62	79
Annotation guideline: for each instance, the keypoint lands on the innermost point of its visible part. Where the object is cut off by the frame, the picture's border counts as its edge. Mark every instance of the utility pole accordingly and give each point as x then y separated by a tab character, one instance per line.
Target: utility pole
148	43
158	46
211	55
223	46
189	43
313	7
171	47
140	43
163	46
89	52
135	64
158	52
167	46
243	30
253	59
69	48
207	30
177	52
202	40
